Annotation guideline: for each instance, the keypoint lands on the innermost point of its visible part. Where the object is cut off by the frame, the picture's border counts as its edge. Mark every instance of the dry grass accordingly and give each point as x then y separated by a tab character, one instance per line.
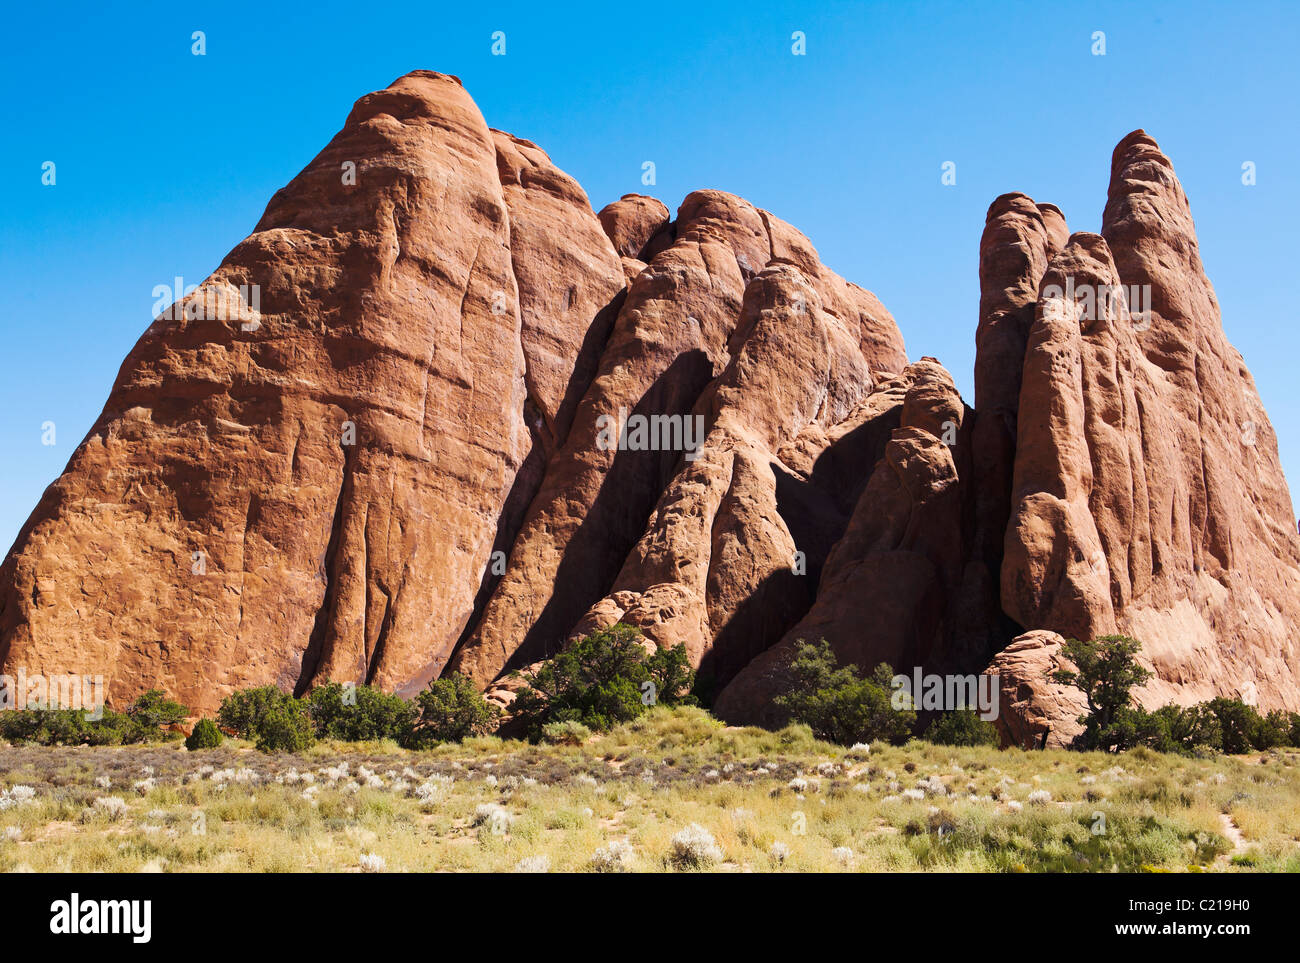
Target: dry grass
769	802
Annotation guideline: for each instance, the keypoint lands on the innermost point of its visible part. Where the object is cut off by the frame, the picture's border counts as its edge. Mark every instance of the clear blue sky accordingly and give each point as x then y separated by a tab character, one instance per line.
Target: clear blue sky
166	160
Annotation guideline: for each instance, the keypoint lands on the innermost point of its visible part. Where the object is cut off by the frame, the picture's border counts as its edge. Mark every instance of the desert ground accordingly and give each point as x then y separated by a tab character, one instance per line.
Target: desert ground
671	791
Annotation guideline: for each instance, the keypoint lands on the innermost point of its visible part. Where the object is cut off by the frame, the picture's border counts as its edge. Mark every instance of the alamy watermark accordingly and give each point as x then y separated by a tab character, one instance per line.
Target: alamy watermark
626	432
129	917
947	693
1088	302
36	691
209	302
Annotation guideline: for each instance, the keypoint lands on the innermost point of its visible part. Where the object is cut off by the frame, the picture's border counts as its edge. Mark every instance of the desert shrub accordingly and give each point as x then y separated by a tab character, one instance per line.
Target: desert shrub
1179	729
567	733
1271	730
206	735
694	848
1237	721
46	727
602	680
18	726
62	727
242	711
70	727
274	720
1107	672
285	727
1132	727
40	726
152	711
837	703
114	729
1241	727
962	727
671	676
358	713
1220	725
449	710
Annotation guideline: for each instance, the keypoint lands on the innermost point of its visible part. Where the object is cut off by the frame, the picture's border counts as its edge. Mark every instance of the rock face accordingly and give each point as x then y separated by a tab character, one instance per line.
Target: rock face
466	418
894	587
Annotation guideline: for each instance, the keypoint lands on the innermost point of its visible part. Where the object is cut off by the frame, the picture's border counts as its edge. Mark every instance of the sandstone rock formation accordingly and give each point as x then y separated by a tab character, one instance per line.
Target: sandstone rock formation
467	418
1148	497
1035	711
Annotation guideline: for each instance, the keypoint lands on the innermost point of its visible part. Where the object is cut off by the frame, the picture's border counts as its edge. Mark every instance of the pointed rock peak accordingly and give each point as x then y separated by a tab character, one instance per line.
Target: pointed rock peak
428	75
711	204
932	401
631	222
728	219
421	96
1148	225
1019	239
645	199
1093	245
1138	170
1057	230
1013	201
523	163
1018	204
1136	147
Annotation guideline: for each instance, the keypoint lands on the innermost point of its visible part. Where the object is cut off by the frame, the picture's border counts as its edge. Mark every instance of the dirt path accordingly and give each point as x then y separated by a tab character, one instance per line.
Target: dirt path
1233	835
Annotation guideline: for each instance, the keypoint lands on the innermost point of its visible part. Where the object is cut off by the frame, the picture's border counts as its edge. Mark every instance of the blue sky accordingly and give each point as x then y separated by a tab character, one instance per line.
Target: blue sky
165	160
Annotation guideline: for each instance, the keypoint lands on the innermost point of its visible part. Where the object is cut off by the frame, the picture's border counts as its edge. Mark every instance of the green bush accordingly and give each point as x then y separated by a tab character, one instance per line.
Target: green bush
44	727
152	711
1237	721
63	727
70	727
286	727
115	729
567	733
18	726
1107	672
1178	729
603	680
837	703
1271	731
243	711
275	721
1222	724
358	713
206	735
962	727
449	710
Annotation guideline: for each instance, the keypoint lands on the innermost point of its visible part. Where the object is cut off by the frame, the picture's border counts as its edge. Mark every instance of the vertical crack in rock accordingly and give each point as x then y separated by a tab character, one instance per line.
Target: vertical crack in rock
311	655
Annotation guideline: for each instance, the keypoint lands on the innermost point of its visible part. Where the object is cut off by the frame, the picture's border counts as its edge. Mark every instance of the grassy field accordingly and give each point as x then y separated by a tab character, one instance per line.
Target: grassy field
674	791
